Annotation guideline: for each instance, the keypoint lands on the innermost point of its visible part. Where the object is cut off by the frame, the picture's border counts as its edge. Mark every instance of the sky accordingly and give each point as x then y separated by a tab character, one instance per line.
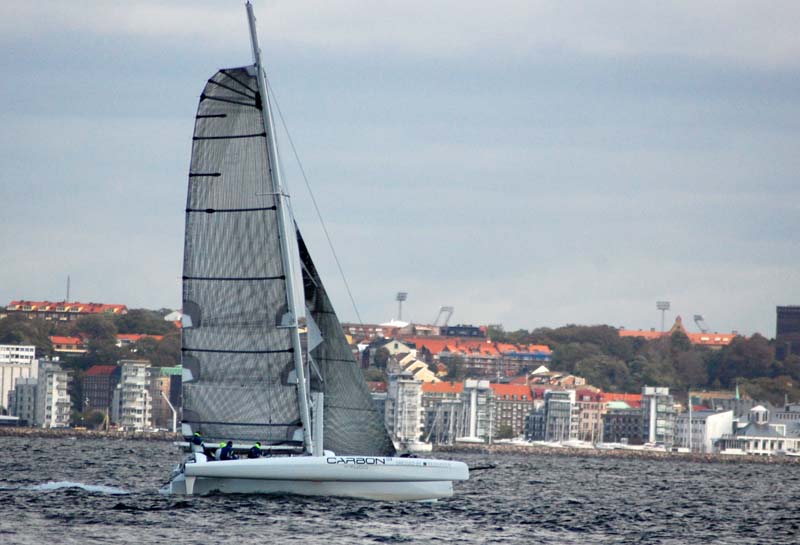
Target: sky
530	163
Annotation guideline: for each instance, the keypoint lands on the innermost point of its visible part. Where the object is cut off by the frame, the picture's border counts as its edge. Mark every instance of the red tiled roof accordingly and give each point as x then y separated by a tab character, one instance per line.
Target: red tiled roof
376	386
100	370
519	380
443	387
136	337
87	308
56	339
511	390
705	339
628	398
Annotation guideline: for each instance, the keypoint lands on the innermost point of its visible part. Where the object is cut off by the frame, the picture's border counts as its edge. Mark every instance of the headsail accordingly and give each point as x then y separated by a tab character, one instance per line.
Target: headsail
352	423
237	360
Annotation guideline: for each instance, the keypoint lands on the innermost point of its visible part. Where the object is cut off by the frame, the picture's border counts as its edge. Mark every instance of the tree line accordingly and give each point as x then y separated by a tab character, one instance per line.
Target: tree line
625	364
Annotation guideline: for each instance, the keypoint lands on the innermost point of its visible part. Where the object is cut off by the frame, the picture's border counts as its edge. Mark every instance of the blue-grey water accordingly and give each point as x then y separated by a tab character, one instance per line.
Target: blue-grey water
66	491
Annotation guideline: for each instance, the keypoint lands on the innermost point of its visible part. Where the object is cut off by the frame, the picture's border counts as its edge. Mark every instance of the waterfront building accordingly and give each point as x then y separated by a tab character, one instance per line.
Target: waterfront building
132	402
761	437
702	430
556	419
23	401
591	407
16	362
404	414
512	403
477	406
622	423
658	416
99	383
787	331
53	403
444	413
164	390
61	311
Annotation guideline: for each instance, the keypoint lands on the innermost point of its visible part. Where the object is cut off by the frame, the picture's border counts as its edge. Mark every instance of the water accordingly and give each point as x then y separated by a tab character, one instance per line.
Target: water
68	491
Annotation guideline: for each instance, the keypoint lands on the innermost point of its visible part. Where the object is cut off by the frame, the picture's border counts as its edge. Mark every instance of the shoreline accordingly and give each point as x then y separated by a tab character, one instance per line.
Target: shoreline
60	433
489	450
537	450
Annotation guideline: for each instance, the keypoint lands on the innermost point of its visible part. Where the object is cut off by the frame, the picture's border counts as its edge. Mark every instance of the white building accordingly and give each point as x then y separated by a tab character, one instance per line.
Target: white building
404	414
705	428
23	404
16	361
53	404
760	437
132	406
477	405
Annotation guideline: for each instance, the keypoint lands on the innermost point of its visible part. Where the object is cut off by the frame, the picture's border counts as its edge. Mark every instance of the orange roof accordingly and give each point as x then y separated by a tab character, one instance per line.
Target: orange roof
467	346
511	390
519	380
136	337
56	339
609	396
443	387
65	306
376	386
705	339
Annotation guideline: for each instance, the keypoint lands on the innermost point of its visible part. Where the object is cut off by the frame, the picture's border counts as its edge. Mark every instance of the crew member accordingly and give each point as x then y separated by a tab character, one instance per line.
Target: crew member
255	451
226	453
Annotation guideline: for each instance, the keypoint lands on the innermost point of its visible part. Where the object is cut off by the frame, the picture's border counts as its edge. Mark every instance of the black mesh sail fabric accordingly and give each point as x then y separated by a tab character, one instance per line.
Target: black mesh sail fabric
234	290
352	423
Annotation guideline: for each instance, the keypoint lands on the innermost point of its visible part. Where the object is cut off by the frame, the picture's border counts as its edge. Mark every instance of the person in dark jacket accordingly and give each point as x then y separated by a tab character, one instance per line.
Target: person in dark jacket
227	452
255	451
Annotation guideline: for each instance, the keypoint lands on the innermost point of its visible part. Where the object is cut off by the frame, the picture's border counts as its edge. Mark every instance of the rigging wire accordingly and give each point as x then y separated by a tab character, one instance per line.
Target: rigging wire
314	201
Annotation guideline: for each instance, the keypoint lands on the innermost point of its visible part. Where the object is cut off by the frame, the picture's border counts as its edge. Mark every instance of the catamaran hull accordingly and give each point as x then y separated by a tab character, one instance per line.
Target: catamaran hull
373	478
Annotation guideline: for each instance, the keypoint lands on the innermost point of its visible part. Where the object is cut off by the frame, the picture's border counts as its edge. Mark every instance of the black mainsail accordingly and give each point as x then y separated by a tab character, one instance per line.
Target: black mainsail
237	358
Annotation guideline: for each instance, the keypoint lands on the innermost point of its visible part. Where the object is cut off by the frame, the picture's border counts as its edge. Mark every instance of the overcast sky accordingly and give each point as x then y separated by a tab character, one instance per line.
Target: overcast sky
529	163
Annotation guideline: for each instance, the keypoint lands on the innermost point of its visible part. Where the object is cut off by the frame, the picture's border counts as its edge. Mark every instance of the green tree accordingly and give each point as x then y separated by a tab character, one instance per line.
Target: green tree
605	372
504	431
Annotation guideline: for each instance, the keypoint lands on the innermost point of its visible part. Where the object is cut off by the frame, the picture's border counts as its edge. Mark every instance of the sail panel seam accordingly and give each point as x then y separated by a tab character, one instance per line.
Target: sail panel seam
230	137
229	101
229	210
234	278
231	89
228	74
221	351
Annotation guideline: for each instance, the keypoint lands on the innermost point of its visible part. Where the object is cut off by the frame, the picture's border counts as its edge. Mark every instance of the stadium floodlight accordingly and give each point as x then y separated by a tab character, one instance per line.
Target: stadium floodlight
663	306
401	296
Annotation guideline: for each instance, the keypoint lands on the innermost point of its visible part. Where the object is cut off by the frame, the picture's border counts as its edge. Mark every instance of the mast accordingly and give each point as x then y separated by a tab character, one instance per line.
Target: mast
280	204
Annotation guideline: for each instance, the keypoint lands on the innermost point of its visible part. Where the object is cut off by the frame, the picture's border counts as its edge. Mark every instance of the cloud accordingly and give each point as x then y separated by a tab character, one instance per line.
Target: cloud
745	32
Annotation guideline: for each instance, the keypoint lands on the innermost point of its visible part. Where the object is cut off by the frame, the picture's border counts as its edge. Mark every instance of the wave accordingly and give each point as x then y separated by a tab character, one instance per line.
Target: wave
95	488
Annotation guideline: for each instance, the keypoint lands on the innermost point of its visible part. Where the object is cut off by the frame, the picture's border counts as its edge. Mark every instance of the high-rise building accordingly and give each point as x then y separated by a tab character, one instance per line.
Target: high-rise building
404	414
658	415
132	404
53	403
787	331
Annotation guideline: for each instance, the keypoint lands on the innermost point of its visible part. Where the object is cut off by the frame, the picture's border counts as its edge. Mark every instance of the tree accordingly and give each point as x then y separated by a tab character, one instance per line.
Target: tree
610	374
455	368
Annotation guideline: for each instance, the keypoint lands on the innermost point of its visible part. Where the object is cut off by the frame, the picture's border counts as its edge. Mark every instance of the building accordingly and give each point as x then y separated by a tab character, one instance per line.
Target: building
68	346
658	416
714	341
512	403
444	413
165	403
591	407
131	406
622	423
787	332
404	414
53	403
705	427
99	383
462	331
761	437
23	401
16	362
556	420
62	311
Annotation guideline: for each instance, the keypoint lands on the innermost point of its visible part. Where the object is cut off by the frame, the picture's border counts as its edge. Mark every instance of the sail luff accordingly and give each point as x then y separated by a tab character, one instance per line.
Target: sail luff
288	262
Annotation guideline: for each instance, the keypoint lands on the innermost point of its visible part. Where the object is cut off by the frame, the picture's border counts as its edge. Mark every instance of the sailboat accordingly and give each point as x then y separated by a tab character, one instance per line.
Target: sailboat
264	356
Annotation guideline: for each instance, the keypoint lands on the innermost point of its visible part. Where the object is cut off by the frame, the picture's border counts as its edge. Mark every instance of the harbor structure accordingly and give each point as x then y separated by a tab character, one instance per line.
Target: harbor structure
658	413
699	430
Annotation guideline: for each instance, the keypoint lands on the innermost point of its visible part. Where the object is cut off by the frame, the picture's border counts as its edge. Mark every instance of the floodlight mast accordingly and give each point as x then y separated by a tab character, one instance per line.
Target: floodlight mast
663	306
400	297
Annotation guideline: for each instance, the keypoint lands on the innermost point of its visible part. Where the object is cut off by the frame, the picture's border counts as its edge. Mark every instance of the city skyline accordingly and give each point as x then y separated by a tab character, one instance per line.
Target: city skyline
530	164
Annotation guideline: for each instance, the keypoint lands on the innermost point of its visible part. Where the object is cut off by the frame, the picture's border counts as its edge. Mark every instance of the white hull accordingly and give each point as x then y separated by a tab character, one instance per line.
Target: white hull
367	477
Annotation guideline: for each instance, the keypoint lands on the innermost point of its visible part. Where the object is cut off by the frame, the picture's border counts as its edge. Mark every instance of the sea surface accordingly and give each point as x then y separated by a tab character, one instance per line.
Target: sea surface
64	491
